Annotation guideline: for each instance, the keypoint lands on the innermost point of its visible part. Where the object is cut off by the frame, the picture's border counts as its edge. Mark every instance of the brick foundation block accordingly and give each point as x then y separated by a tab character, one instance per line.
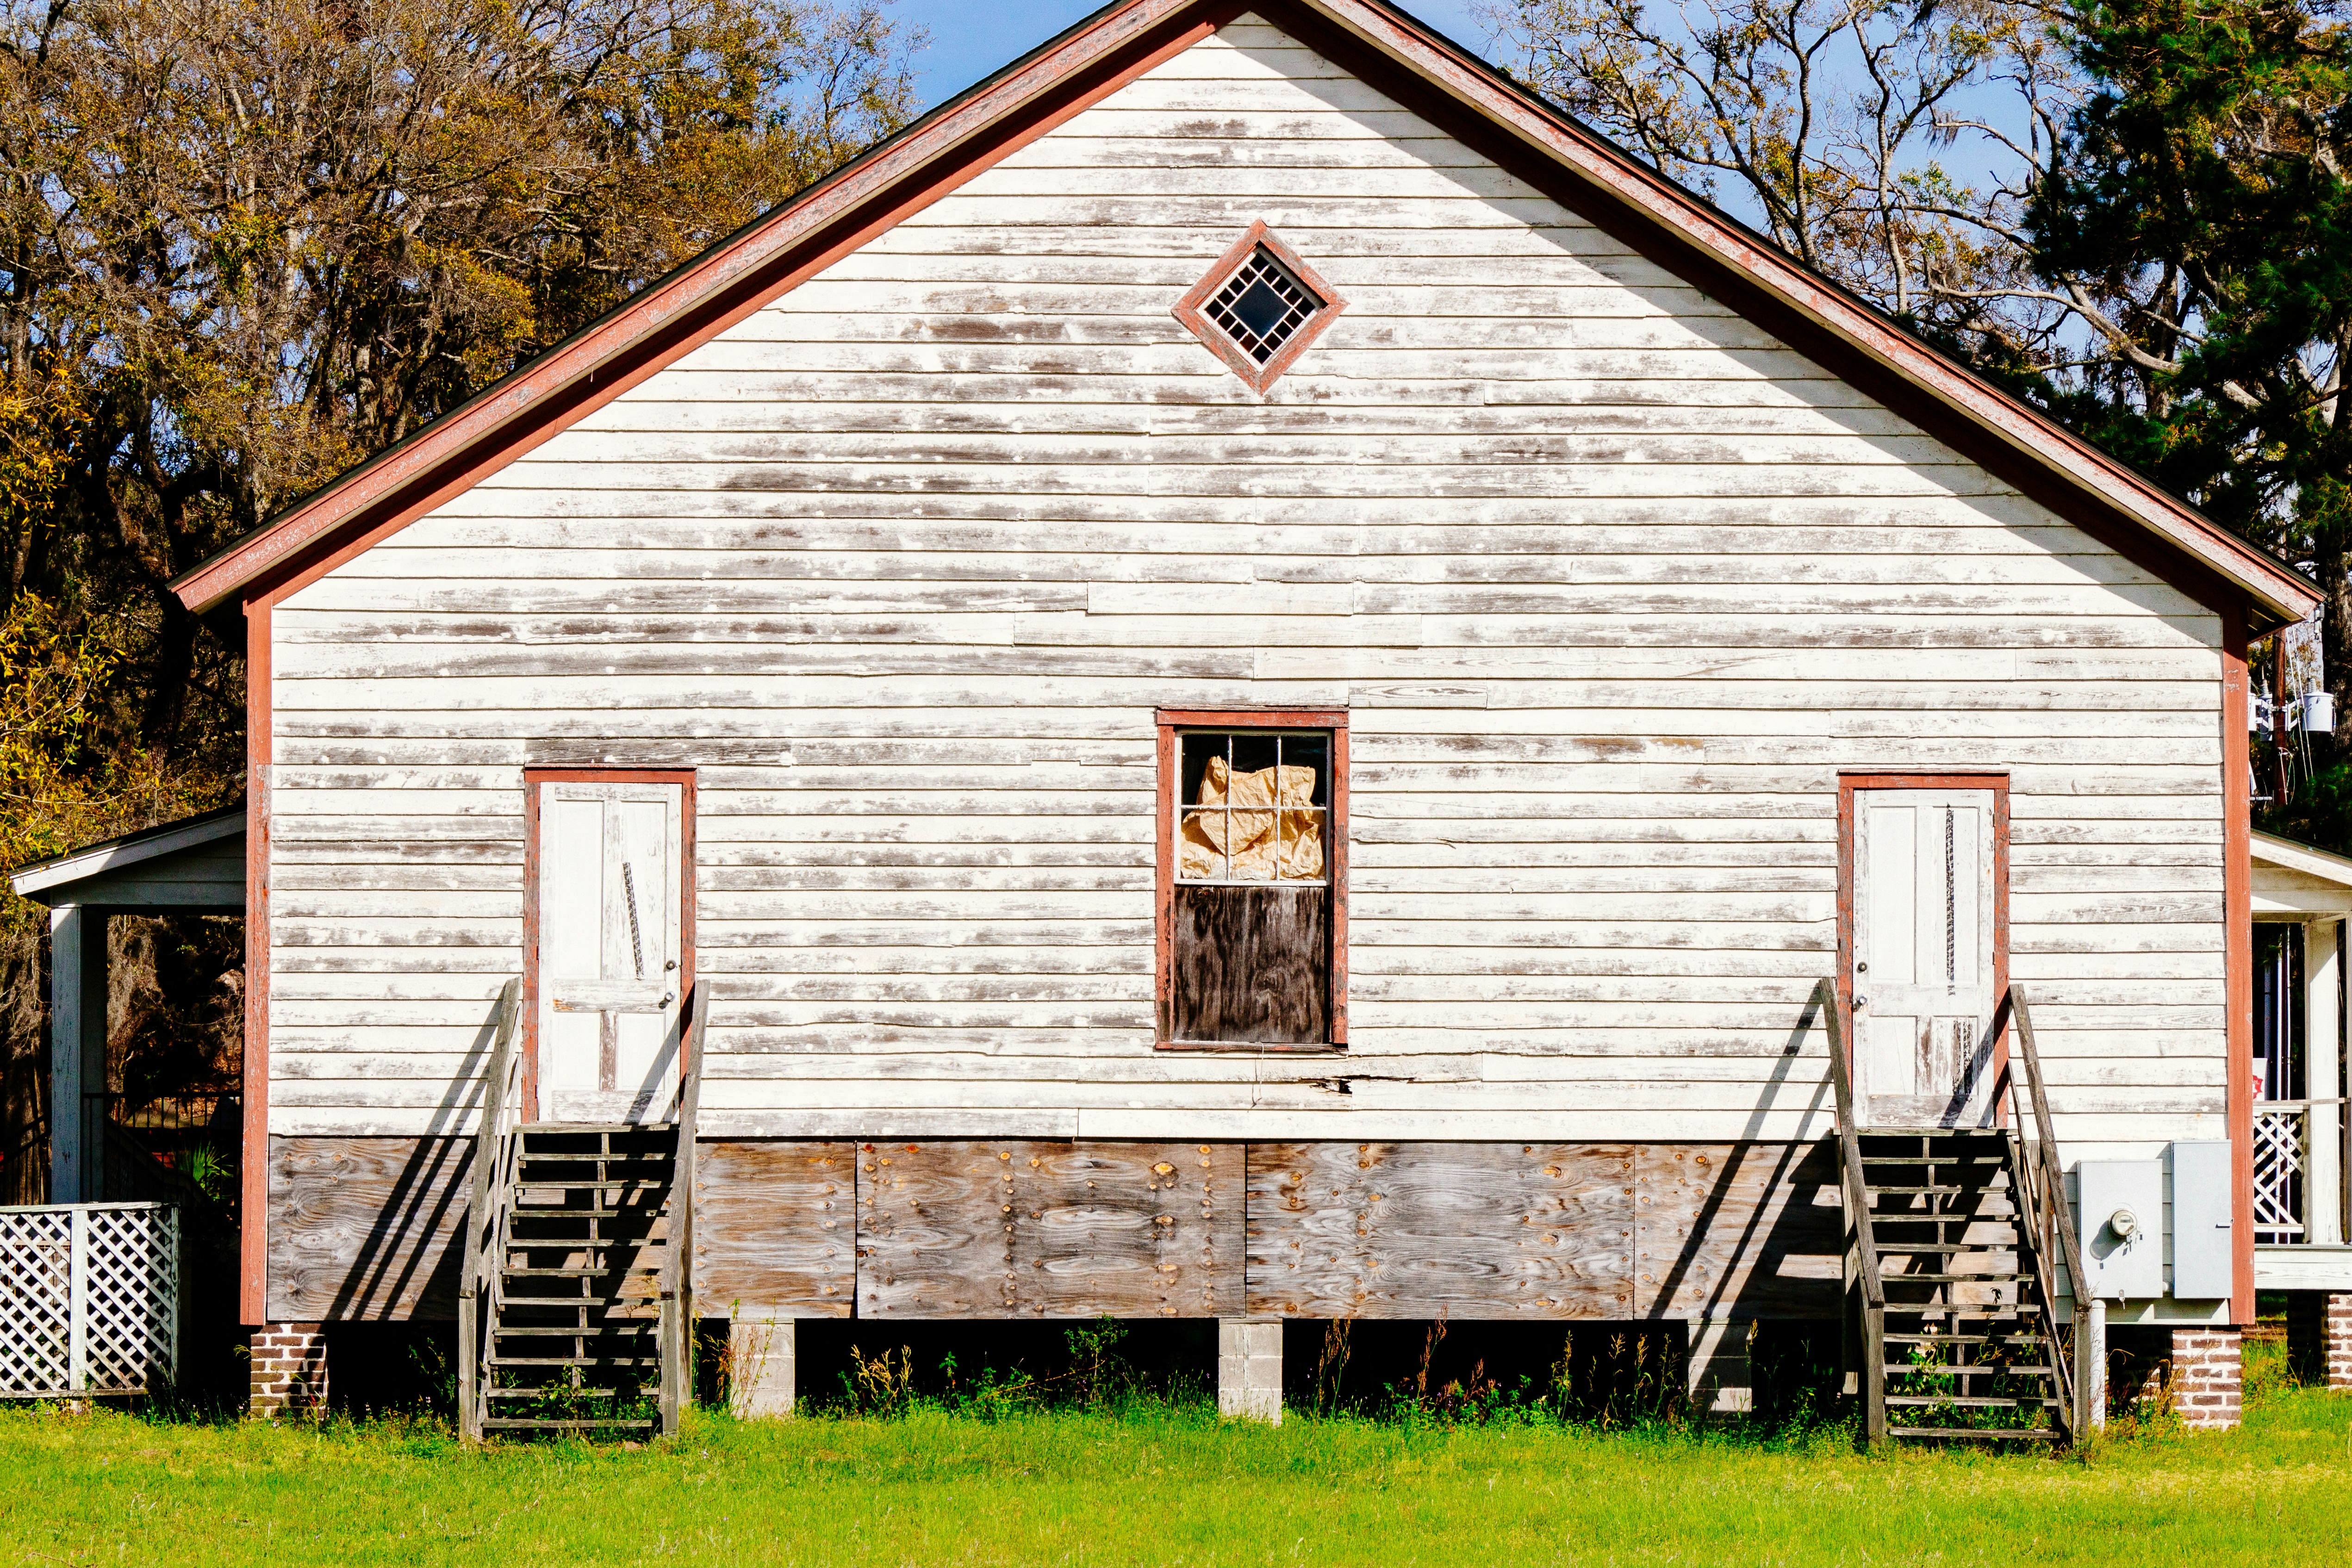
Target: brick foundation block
2207	1382
2319	1338
289	1370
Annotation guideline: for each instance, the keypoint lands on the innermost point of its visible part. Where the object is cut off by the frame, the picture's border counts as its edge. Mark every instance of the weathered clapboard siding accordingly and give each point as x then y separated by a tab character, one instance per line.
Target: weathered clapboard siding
1612	583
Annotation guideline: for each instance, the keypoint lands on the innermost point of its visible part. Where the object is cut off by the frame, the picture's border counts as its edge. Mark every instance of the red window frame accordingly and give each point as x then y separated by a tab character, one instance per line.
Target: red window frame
1170	721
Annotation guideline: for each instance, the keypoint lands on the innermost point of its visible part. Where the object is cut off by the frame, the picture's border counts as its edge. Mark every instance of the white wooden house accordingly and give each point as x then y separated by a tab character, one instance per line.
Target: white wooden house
1248	616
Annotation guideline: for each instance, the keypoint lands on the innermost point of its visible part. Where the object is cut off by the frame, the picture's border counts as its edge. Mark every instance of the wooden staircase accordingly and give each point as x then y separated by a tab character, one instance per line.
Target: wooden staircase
1964	1348
1959	1241
571	1339
576	1309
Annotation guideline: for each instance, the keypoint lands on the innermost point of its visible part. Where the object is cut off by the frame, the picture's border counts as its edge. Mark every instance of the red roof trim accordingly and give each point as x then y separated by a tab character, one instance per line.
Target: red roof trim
1086	63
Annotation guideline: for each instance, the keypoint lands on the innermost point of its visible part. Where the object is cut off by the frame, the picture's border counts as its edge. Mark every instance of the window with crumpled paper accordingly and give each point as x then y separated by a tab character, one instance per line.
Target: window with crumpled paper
1252	917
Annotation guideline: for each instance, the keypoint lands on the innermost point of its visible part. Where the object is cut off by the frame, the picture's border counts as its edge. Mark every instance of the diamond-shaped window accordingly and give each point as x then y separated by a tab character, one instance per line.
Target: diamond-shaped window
1259	307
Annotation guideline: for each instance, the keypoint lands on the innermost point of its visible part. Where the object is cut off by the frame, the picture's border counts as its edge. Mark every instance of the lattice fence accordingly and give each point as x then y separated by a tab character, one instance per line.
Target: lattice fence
2279	1159
89	1300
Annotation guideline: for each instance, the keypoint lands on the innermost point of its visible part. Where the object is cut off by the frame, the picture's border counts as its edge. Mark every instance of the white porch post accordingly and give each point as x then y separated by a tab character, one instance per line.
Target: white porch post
2323	1187
77	1054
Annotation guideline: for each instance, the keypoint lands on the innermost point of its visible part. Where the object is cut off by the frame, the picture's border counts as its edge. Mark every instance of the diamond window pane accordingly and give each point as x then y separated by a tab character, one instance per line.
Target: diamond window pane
1262	306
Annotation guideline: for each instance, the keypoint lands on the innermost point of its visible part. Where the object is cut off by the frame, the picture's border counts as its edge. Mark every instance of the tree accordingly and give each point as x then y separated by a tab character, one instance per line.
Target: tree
244	243
2202	220
1827	122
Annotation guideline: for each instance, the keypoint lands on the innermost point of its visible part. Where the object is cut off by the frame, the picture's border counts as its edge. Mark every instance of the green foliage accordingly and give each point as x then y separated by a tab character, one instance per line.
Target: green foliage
2204	185
246	243
1160	1484
1091	1375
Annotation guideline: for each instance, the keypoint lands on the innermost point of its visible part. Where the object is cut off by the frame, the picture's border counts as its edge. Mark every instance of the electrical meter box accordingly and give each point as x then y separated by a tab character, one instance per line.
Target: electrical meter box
2204	1258
2119	1205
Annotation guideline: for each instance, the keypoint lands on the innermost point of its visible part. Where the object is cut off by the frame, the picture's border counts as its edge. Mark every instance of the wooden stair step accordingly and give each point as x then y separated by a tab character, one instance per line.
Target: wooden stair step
585	1424
1978	1434
1968	1369
1963	1339
1944	1249
1989	1154
515	1271
1973	1402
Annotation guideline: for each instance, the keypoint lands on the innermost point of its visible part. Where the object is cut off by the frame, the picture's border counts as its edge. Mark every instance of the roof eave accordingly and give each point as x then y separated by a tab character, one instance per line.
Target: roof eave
29	881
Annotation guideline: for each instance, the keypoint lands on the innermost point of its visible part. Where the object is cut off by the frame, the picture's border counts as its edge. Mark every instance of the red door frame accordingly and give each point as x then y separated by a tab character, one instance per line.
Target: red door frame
1998	783
532	778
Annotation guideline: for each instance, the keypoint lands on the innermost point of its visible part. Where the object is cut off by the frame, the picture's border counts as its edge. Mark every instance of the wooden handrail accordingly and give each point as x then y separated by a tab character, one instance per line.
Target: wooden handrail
486	1212
1825	997
677	1262
2046	1140
2045	1179
1872	1380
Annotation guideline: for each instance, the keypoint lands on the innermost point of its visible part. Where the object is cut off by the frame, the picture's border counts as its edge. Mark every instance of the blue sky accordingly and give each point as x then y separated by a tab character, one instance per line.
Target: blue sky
968	41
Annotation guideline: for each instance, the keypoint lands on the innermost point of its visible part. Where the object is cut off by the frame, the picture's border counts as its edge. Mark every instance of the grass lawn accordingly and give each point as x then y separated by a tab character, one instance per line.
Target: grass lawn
1165	1486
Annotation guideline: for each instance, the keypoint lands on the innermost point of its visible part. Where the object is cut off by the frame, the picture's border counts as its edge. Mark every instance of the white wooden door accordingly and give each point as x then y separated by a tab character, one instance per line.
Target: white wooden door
610	903
1923	957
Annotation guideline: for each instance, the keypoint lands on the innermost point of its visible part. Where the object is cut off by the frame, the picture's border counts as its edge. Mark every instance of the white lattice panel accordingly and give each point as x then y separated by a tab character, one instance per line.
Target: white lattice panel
36	1301
2278	1171
88	1298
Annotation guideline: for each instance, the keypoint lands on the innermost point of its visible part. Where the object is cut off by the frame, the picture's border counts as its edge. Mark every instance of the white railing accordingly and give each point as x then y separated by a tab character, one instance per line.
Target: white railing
89	1300
2282	1170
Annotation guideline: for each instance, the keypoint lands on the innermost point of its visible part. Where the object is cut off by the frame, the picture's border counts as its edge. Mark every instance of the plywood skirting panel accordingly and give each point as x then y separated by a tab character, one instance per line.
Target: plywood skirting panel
1014	1228
1737	1230
365	1227
775	1229
1456	1230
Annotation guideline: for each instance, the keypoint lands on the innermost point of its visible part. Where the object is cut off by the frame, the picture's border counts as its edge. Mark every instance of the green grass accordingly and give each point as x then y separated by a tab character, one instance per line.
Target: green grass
1161	1485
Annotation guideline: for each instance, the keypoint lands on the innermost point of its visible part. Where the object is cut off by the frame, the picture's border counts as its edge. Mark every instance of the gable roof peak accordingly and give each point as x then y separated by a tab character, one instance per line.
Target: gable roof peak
1467	96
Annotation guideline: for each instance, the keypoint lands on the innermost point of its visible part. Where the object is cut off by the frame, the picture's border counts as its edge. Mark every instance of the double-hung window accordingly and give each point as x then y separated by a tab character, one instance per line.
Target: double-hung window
1253	880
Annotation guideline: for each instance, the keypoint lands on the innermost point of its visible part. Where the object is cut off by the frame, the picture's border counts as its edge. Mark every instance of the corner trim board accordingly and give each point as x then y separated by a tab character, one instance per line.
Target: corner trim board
2238	961
253	1241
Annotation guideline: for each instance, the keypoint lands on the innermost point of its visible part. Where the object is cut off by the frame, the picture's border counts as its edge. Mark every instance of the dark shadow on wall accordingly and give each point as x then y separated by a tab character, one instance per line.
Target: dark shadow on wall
367	1228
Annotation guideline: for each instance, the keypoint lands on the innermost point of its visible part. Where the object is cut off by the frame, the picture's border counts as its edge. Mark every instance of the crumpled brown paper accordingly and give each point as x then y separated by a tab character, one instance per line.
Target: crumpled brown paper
1259	854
